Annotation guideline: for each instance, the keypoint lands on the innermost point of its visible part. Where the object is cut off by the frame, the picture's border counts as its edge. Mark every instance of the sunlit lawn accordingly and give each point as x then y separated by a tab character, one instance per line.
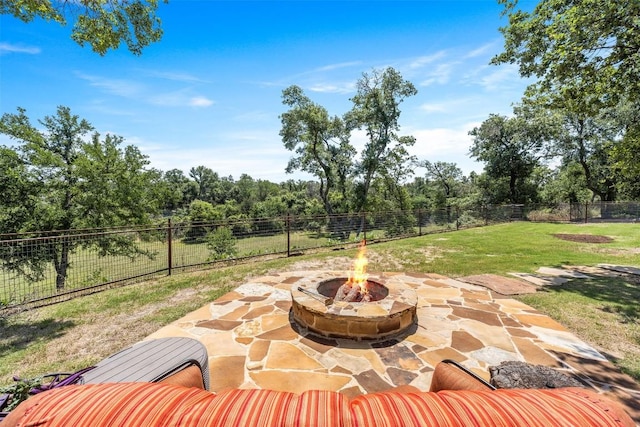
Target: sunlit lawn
602	312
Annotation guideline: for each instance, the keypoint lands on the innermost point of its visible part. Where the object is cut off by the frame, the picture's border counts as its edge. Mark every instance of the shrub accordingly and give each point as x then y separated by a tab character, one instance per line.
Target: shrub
221	244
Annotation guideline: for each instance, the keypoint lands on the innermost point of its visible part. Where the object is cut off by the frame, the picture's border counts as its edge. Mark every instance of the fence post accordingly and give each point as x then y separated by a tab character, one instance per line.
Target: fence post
457	217
586	212
288	235
364	225
169	247
419	222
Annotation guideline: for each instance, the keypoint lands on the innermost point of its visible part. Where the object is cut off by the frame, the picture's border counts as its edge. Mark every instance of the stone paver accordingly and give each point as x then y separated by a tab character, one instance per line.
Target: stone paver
253	342
621	269
562	272
500	284
541	280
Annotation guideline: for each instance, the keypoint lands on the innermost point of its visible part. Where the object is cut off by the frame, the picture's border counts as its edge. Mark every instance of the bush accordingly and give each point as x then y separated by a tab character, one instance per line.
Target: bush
221	244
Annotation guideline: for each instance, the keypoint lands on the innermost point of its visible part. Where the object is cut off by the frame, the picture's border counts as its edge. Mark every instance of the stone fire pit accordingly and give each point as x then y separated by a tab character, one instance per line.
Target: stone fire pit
392	311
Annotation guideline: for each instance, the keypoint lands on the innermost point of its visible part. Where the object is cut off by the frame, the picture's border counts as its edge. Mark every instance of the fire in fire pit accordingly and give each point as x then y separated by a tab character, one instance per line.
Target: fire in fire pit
356	288
356	306
340	289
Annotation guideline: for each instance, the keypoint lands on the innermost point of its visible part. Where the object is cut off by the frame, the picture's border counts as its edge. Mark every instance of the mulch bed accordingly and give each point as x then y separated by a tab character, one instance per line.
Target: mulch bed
584	238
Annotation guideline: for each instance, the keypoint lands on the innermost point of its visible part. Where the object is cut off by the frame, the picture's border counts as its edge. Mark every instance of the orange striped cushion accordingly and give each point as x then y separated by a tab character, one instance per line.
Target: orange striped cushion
318	408
393	409
255	408
560	407
97	405
157	405
543	408
144	404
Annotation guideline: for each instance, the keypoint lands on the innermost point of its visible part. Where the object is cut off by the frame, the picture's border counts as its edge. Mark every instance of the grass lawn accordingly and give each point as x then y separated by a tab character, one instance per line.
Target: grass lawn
602	312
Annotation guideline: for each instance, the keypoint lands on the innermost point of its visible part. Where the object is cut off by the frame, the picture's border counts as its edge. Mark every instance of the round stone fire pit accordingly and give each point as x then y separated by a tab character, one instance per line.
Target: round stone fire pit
392	308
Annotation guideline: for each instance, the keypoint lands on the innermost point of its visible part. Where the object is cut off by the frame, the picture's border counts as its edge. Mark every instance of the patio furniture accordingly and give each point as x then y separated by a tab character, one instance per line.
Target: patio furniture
182	361
158	405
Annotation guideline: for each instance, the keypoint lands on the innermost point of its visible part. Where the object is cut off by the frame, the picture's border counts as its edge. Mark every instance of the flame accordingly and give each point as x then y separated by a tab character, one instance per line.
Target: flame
359	274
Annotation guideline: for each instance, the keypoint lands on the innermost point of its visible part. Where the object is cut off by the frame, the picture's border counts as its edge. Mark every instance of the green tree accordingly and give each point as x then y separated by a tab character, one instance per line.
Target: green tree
564	184
509	150
321	144
246	189
376	111
102	24
626	153
80	185
586	55
584	142
446	177
594	43
19	192
201	216
179	191
211	187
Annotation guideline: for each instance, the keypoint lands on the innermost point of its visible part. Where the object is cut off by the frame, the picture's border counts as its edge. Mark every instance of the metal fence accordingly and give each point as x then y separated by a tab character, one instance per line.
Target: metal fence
581	212
42	268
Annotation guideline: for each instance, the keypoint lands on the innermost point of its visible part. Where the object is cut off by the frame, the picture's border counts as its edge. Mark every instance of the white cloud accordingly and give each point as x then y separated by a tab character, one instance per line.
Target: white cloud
340	88
435	107
481	50
179	98
243	153
254	116
438	107
13	48
421	61
433	141
268	137
447	145
440	75
492	77
99	106
133	90
504	76
465	105
120	87
175	76
435	144
332	67
314	79
200	101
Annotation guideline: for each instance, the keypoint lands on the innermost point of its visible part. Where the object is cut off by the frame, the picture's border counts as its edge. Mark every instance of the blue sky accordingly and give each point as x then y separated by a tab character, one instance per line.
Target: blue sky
209	93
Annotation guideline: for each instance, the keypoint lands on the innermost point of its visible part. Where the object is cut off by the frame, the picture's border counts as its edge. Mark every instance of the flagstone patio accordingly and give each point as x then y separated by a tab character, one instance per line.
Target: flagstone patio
253	342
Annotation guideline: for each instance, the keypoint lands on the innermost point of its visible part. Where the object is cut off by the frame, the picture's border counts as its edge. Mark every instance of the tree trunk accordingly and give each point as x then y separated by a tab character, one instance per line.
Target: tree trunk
340	227
62	265
512	188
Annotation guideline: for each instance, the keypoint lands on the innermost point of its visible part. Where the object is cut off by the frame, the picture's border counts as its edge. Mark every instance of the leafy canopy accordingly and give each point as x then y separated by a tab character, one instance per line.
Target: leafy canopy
68	177
103	24
592	44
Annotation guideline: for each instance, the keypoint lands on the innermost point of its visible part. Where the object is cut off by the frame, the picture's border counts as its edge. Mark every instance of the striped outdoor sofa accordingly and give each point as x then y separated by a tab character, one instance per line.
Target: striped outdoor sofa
172	391
157	404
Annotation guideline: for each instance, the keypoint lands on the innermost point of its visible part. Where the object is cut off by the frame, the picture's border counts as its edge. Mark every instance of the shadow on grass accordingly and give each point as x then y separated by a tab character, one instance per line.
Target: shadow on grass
614	300
19	335
601	372
621	294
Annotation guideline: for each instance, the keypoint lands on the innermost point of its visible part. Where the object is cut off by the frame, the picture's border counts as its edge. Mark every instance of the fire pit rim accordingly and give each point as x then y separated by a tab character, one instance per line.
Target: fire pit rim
398	308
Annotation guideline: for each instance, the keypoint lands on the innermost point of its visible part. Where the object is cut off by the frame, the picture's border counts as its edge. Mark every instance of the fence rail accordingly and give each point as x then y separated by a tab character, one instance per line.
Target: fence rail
43	268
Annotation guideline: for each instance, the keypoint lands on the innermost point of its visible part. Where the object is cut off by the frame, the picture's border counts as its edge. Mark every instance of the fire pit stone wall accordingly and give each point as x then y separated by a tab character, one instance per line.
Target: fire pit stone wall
373	320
